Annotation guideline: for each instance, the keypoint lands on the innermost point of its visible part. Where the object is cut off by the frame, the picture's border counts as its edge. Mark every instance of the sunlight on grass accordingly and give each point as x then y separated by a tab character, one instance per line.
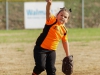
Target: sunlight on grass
29	36
12	36
90	34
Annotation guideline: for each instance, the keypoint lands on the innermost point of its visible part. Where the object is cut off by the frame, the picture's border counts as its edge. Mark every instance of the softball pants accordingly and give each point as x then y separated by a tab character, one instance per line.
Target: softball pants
44	60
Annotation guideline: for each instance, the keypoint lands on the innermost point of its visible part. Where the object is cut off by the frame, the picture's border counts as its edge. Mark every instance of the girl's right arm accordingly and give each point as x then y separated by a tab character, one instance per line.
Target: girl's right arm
48	6
66	47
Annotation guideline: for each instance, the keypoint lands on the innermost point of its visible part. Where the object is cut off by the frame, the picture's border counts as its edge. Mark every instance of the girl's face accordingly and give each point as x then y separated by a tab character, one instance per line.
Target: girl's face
63	17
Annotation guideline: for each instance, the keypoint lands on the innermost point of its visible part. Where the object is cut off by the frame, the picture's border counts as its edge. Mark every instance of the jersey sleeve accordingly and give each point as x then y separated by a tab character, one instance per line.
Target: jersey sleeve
51	20
65	38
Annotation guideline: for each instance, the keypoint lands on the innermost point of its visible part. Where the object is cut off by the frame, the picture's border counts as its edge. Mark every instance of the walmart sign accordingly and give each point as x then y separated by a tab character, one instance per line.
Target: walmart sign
35	13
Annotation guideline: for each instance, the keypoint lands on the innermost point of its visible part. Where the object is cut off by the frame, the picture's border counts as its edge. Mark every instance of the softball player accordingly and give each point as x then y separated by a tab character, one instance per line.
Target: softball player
46	44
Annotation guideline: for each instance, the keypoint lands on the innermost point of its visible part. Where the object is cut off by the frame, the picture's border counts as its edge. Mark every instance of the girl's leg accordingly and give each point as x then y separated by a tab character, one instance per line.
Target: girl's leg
50	63
40	60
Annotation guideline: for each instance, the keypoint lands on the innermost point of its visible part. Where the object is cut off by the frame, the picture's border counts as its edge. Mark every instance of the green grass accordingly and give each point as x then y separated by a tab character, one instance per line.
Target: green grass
29	36
89	34
15	36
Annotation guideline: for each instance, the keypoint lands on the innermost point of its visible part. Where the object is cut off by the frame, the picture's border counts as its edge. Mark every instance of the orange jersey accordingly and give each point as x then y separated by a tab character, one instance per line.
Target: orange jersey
52	34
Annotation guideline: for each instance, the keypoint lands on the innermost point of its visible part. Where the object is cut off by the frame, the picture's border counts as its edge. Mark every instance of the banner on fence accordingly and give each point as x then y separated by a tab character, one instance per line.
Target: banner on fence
35	13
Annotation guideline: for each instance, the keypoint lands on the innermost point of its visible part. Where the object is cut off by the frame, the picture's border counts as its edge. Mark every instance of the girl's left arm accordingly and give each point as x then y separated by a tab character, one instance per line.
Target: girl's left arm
66	47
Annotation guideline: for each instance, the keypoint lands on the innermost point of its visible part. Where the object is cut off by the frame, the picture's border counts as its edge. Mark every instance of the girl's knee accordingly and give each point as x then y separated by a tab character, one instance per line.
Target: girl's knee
39	69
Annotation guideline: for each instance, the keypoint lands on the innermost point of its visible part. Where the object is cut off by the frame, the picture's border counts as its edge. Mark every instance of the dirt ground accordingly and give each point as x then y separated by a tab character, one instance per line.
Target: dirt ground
17	58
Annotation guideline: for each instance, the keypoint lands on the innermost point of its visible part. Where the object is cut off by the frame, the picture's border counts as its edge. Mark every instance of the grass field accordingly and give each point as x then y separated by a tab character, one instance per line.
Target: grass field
16	51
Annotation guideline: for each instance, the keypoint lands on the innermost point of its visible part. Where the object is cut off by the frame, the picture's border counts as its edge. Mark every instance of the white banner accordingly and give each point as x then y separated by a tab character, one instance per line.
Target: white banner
35	13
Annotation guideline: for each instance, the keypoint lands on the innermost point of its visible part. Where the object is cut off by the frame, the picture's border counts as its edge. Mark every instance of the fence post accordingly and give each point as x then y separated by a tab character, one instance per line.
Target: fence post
82	13
7	24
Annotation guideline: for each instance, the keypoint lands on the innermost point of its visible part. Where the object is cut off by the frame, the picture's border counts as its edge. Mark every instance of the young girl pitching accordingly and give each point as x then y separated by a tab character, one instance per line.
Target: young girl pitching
46	44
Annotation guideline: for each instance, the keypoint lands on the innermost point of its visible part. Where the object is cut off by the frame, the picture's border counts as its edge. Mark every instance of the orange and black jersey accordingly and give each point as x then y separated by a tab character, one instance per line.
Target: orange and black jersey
52	34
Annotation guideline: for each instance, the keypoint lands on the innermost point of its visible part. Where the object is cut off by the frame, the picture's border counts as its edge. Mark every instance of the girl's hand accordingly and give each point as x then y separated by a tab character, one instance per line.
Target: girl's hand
49	1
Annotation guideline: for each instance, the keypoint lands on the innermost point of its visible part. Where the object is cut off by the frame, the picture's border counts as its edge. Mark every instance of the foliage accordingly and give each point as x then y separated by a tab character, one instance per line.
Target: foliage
16	13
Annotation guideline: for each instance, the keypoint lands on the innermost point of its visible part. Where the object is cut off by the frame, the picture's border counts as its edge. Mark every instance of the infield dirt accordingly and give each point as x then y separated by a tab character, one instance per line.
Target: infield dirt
17	58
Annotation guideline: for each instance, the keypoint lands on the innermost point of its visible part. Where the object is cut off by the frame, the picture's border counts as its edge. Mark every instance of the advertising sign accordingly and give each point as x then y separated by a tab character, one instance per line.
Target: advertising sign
35	13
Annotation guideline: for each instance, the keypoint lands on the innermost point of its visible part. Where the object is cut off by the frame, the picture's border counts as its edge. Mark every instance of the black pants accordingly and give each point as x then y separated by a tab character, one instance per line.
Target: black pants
44	60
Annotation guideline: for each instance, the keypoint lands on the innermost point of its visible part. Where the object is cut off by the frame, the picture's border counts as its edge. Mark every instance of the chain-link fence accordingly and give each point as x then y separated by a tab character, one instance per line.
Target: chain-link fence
16	13
2	15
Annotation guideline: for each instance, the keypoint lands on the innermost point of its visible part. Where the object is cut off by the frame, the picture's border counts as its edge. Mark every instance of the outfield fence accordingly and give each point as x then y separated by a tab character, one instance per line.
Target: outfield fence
16	13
